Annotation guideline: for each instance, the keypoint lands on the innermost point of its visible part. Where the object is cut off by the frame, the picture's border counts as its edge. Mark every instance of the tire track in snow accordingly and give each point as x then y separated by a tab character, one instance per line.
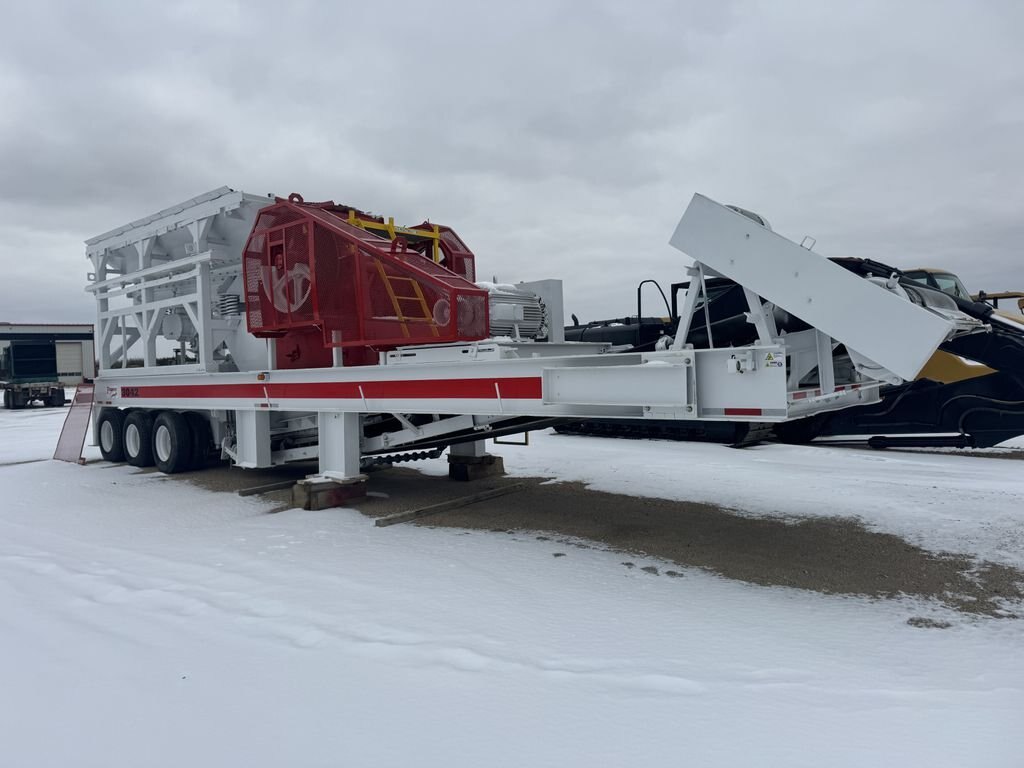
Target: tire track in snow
277	623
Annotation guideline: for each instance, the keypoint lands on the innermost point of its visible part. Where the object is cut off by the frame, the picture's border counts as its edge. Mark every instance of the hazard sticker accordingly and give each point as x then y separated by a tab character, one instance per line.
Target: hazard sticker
772	360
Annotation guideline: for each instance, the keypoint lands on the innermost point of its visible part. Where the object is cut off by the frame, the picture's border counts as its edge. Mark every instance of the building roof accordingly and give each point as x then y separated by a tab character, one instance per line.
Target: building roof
76	326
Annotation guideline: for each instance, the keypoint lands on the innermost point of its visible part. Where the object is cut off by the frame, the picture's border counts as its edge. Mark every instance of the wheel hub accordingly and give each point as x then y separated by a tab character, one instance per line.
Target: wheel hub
162	443
106	436
132	441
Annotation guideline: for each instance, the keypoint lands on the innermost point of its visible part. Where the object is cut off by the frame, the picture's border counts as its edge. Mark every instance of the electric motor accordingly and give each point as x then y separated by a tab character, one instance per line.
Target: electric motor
515	313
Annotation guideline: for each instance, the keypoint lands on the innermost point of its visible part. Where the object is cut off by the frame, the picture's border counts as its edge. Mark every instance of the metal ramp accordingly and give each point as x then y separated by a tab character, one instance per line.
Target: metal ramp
76	424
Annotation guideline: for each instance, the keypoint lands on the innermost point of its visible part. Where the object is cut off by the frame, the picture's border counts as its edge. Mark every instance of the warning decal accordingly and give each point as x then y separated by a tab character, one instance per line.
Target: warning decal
772	360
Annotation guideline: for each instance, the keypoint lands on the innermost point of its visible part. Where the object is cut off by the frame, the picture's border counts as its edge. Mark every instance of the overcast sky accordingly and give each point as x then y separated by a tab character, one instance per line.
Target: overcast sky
560	139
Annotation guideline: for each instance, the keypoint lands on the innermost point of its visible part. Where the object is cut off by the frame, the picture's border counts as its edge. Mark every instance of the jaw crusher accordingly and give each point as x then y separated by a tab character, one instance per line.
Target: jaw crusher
271	330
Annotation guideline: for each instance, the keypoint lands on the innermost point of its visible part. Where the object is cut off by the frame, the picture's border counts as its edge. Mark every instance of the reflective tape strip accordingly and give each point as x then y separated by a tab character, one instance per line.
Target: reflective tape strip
521	388
744	412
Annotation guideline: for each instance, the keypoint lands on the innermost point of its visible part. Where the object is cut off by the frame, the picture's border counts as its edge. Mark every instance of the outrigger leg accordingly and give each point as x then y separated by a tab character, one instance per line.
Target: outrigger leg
339	479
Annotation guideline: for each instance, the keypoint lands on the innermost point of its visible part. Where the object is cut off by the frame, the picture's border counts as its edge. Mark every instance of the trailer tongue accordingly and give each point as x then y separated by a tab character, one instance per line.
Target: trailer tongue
274	330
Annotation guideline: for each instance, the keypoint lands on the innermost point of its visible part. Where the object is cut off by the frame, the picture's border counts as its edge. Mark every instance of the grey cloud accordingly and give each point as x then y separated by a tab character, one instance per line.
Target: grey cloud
559	138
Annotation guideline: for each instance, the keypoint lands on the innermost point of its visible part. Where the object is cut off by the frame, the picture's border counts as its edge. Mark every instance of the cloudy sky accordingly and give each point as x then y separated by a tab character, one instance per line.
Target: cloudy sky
560	139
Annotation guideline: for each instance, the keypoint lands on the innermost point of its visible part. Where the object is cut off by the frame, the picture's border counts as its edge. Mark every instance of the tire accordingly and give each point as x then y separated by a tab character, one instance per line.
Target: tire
8	399
138	438
110	434
202	439
172	443
56	399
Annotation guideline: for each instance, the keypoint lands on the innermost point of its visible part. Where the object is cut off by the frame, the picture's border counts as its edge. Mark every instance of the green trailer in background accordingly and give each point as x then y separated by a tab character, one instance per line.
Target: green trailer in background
28	374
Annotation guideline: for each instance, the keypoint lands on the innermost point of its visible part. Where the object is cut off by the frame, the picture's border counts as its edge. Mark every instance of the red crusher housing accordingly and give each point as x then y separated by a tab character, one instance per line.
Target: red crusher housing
358	281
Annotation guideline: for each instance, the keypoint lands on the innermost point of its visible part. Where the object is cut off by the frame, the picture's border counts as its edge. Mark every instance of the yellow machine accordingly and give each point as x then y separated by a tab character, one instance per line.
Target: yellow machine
943	366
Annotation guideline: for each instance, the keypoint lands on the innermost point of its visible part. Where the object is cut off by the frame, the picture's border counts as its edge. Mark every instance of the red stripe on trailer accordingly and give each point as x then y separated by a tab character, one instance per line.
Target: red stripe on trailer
743	412
521	388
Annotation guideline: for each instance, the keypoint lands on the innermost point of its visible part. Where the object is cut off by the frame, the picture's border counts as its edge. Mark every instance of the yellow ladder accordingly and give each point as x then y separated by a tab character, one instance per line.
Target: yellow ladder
391	231
396	301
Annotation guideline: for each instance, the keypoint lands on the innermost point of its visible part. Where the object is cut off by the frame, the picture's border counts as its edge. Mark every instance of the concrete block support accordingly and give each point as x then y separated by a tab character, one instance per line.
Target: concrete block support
323	493
469	461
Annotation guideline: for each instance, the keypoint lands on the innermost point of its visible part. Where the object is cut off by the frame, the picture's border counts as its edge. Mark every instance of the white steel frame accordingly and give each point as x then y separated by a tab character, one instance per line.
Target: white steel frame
179	259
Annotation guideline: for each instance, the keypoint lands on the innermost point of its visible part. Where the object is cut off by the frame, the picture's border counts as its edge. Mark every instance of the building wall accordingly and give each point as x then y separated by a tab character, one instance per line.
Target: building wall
76	358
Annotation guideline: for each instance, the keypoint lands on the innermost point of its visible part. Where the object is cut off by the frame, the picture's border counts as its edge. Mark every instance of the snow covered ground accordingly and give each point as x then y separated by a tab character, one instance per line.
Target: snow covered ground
148	622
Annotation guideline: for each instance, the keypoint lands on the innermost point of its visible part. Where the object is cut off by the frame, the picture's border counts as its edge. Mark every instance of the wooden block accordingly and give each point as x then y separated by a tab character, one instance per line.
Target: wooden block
466	468
319	493
433	509
256	489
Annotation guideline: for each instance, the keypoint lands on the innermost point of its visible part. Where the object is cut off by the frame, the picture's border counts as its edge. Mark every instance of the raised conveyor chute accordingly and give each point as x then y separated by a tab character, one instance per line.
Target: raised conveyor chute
847	308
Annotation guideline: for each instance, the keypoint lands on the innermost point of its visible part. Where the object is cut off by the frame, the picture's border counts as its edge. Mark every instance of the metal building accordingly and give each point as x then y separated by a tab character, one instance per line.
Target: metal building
76	359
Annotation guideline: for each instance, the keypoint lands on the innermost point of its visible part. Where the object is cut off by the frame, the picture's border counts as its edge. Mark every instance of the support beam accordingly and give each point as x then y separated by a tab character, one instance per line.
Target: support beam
203	310
693	293
252	430
763	318
340	444
826	365
145	249
339	480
